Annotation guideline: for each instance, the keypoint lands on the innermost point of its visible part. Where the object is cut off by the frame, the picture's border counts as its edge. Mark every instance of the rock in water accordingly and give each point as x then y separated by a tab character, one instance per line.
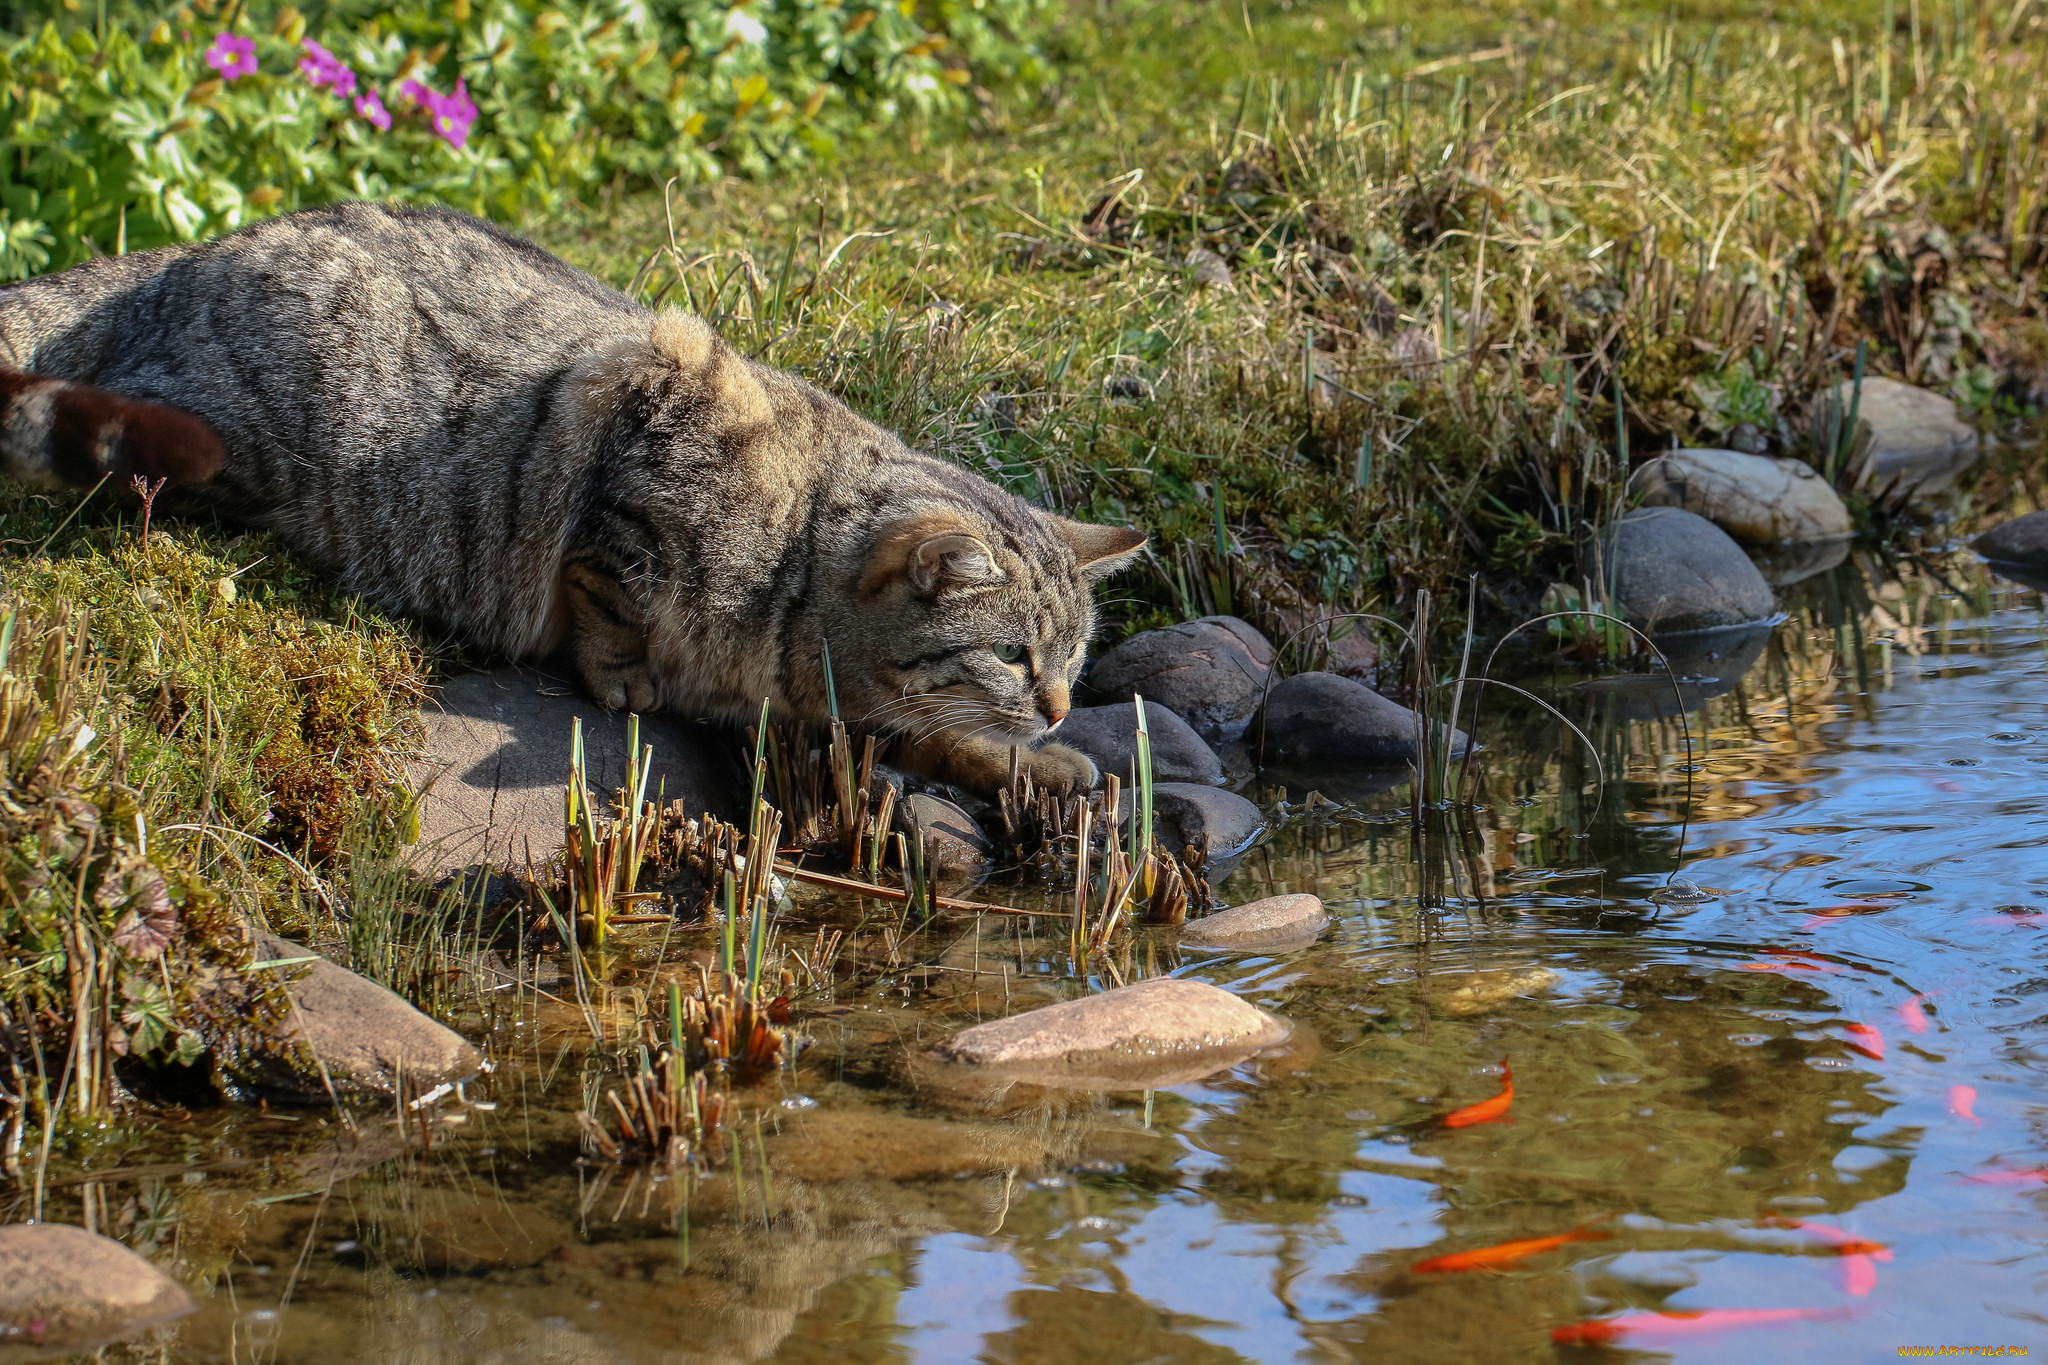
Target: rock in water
1676	571
1208	672
1312	718
1275	924
1187	815
2022	541
1483	991
1905	435
360	1032
1164	1031
497	755
63	1289
1108	734
1754	498
955	847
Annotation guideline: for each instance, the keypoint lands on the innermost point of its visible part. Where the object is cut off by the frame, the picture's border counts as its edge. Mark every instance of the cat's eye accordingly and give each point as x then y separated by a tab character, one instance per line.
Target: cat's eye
1009	654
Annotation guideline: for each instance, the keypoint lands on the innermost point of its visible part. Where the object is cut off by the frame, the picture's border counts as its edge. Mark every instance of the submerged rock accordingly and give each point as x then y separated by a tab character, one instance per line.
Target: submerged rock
1784	565
1164	1031
1905	436
1209	672
1754	498
360	1032
954	845
497	756
1275	924
1108	734
1185	814
1482	991
2022	541
1676	571
63	1289
1314	718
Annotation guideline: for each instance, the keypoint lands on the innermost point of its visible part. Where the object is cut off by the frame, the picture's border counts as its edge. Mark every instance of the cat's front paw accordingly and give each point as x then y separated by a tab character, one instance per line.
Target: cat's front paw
1060	769
630	688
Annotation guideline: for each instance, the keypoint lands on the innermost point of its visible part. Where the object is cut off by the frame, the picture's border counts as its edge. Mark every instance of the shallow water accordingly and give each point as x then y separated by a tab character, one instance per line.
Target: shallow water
1868	818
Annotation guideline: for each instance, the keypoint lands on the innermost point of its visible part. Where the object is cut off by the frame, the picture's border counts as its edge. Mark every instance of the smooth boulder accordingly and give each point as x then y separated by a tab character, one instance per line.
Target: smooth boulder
361	1033
63	1289
1108	734
1675	571
1164	1031
1209	672
496	759
1313	718
954	844
2022	541
1275	924
1185	814
1905	436
1754	498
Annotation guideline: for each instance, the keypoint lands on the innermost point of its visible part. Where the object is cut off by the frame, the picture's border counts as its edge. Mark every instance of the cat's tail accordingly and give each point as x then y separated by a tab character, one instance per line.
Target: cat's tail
54	431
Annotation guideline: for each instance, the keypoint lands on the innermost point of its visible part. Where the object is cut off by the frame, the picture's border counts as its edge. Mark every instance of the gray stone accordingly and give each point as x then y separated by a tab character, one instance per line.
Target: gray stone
1275	924
496	759
2022	541
1754	498
1905	437
1164	1031
63	1289
954	845
1187	815
1208	672
360	1032
1676	571
1315	718
1108	734
1209	270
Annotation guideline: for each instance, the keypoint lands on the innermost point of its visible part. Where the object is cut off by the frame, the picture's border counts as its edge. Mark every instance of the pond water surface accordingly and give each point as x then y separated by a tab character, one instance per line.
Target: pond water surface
1842	1036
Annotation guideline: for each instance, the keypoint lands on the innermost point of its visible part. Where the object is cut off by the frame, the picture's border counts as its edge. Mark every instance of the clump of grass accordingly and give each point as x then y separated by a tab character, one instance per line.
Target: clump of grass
116	955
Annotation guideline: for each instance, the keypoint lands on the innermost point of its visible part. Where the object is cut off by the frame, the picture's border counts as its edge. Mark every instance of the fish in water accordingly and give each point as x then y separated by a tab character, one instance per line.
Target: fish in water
2037	1176
1866	1040
1912	1016
1859	1256
1505	1254
1652	1326
1486	1111
1962	1100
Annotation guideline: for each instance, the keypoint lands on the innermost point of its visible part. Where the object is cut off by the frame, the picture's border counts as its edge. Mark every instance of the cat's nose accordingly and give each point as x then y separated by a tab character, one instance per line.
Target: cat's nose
1054	715
1054	707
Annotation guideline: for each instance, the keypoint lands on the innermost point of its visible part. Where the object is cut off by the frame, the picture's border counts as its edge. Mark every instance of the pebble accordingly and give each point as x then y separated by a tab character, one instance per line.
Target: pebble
1210	672
1314	718
1275	924
1754	498
63	1289
2022	541
1905	435
1675	571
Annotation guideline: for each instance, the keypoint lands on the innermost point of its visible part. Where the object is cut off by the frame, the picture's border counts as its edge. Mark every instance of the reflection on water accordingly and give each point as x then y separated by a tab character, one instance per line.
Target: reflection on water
1778	986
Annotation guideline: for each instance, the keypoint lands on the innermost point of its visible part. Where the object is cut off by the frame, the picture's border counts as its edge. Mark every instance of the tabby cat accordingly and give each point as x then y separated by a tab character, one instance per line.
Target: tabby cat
464	428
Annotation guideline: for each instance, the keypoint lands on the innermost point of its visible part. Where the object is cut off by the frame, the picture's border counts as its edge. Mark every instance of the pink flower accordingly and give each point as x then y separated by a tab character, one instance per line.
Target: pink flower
232	55
371	109
323	69
452	114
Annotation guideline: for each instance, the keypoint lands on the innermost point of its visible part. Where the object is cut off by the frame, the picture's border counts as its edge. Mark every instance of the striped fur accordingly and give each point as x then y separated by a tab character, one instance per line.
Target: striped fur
466	429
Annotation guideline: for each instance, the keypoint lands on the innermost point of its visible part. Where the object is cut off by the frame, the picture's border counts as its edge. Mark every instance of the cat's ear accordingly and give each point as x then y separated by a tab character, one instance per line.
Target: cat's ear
930	552
1099	551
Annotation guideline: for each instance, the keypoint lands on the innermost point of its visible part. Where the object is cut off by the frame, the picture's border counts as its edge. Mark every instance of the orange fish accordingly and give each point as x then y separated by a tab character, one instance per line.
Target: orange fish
1866	1040
1961	1102
1506	1253
1912	1016
1859	1257
2037	1176
1605	1331
1486	1111
1792	966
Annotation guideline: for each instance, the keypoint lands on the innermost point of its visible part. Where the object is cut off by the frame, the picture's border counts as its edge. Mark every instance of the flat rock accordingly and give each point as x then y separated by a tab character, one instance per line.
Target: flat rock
1107	734
1906	436
1164	1031
954	845
1315	718
1675	571
361	1032
1209	672
1482	991
1274	924
1755	498
496	758
2022	541
1187	815
63	1289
